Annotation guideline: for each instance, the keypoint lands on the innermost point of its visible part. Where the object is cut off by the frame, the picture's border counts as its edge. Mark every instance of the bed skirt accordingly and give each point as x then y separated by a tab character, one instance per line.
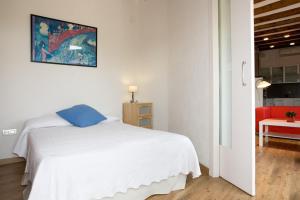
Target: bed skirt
163	187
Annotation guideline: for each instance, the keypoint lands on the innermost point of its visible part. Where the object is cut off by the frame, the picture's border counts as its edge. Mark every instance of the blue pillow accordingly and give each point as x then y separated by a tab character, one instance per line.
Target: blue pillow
81	115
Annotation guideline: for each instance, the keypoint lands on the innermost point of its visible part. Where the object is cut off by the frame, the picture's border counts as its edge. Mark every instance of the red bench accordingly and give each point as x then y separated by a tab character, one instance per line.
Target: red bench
277	112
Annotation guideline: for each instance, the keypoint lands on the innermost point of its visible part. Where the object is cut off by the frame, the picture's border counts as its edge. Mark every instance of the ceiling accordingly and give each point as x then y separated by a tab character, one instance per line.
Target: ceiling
277	23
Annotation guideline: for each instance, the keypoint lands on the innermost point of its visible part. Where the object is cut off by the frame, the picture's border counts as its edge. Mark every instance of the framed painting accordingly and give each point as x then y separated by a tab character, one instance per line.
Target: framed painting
60	42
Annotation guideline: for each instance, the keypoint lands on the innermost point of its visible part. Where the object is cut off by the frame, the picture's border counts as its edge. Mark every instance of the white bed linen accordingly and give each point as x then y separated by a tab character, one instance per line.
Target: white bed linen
50	120
70	163
173	183
143	192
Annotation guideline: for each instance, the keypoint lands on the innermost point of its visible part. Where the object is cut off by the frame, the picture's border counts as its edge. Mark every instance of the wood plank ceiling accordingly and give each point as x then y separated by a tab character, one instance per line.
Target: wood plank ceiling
277	23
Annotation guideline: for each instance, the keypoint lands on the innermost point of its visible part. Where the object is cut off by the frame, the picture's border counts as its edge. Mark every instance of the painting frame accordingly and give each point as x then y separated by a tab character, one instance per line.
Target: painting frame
89	29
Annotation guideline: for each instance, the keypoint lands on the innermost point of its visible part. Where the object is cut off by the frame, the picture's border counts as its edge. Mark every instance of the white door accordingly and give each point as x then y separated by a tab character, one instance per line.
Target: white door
237	103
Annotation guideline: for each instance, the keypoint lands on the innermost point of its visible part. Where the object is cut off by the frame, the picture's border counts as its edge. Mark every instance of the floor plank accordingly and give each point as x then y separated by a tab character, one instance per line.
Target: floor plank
277	178
10	179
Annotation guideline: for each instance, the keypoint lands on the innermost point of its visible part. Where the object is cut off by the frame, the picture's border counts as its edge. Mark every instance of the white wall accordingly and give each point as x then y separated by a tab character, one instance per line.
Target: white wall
31	89
153	55
160	45
189	82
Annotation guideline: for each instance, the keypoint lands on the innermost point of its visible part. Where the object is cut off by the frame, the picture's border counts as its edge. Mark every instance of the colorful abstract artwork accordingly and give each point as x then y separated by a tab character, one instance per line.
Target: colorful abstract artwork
60	42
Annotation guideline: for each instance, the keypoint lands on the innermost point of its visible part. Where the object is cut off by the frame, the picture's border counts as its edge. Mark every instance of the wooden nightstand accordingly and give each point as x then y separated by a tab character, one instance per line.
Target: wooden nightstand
138	114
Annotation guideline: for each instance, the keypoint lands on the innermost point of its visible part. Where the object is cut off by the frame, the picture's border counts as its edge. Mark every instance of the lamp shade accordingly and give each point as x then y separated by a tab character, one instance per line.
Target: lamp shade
132	88
262	84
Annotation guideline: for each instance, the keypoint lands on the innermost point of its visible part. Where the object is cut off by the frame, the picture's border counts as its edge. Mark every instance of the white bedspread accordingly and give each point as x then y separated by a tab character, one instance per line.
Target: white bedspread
70	163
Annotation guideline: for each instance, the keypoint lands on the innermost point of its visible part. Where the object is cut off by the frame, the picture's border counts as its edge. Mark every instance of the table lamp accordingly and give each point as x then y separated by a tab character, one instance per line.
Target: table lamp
132	89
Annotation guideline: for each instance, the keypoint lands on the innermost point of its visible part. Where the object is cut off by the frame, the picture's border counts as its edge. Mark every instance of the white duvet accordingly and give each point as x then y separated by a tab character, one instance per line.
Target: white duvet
71	163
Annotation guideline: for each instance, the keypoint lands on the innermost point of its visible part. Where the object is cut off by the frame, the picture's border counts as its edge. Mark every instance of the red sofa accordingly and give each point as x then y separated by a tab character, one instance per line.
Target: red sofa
277	112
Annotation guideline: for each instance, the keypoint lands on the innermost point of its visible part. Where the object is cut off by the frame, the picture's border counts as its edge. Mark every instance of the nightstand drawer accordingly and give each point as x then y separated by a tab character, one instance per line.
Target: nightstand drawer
145	122
145	109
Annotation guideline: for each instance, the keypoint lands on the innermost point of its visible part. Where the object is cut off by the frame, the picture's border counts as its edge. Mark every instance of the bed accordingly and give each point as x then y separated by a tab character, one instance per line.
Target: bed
107	161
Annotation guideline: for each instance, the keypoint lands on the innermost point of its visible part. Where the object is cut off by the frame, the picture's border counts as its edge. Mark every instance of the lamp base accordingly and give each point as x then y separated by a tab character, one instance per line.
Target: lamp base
132	98
135	101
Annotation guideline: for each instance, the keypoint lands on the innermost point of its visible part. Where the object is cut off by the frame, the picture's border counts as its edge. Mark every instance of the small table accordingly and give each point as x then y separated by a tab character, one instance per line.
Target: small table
274	122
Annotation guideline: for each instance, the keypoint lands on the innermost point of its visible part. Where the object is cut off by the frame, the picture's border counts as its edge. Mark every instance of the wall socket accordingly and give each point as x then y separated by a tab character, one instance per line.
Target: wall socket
10	132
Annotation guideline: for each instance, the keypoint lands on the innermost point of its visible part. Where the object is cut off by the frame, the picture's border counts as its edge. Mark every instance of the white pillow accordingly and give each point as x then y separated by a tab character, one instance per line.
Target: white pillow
51	120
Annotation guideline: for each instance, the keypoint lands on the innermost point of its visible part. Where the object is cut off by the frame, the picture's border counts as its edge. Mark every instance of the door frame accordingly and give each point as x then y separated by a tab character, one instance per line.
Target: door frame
214	141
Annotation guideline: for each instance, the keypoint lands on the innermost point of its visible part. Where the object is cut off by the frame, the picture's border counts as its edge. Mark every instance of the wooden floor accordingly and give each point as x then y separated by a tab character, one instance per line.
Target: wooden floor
10	179
277	177
277	173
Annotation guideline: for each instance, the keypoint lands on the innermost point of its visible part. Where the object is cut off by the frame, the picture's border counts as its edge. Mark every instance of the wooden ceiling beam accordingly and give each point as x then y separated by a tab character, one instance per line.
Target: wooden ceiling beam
258	1
278	15
279	23
279	38
286	43
276	41
278	30
278	46
274	6
277	35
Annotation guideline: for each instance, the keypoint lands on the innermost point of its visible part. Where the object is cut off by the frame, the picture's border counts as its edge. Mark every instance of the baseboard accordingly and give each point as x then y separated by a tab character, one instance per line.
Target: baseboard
8	161
204	169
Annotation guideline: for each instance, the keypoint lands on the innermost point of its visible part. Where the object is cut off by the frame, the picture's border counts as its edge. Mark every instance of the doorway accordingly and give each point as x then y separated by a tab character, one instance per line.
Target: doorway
262	10
265	10
277	73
